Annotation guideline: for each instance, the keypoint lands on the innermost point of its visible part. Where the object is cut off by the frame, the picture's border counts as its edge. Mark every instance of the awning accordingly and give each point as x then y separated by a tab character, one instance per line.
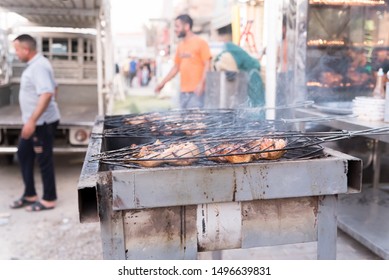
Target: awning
56	13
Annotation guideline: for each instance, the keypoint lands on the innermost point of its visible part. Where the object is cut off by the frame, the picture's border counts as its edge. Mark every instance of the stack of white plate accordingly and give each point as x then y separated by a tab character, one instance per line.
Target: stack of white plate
369	108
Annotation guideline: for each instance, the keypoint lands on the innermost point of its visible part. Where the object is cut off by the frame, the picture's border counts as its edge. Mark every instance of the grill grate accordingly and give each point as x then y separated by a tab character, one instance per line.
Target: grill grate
209	137
189	122
226	148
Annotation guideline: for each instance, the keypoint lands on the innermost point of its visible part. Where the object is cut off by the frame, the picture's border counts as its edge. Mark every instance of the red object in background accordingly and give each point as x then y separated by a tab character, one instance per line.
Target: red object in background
248	38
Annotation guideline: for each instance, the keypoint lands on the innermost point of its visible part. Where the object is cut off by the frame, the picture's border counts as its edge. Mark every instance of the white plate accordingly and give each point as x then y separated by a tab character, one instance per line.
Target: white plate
369	100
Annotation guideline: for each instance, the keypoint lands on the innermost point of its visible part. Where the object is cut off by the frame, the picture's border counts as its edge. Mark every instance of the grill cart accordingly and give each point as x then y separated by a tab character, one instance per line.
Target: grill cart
190	202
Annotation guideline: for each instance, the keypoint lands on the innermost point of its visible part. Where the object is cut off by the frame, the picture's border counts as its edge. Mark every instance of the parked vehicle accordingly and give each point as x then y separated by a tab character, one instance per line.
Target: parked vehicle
80	54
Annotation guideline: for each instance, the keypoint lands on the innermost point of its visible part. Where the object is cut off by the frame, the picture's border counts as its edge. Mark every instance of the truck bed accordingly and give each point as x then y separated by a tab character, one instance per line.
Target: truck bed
71	115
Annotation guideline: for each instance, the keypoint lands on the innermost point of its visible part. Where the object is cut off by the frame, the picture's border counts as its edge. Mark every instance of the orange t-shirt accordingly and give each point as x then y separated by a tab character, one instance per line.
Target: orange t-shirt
190	57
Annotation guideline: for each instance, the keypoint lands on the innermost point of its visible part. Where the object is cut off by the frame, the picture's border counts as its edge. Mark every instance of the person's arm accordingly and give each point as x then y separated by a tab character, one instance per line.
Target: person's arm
201	86
172	73
29	127
56	92
206	58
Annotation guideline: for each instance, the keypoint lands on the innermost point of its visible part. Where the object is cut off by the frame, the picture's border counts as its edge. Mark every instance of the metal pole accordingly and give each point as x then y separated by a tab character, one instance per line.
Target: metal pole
99	57
271	13
109	65
376	163
327	227
300	51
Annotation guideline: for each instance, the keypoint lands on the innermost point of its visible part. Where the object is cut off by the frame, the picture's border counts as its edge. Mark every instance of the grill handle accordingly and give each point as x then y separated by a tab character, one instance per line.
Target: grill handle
353	170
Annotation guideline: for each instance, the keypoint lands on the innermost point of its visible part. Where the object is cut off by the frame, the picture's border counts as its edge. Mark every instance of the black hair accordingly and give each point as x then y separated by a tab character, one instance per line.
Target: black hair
185	18
27	39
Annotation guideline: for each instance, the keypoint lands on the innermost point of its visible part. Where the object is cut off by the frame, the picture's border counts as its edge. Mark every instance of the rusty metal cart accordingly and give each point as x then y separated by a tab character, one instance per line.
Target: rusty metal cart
176	212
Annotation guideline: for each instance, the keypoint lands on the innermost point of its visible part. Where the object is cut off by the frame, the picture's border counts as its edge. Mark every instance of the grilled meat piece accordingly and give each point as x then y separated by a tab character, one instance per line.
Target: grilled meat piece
263	148
212	153
271	148
181	154
193	128
152	152
141	119
228	152
175	128
158	153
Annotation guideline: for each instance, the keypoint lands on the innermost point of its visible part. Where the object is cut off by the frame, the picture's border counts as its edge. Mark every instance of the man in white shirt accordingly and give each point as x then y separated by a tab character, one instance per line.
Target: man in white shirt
40	117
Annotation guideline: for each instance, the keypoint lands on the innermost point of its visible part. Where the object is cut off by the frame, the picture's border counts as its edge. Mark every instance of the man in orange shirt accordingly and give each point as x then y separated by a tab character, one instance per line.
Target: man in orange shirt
192	61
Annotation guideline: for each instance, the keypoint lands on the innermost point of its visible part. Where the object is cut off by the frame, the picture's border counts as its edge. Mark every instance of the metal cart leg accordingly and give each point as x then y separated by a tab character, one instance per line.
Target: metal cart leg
327	227
111	223
376	163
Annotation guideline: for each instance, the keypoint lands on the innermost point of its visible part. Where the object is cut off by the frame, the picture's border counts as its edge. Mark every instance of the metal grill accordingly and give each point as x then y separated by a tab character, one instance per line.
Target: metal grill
180	123
208	152
139	209
209	137
195	121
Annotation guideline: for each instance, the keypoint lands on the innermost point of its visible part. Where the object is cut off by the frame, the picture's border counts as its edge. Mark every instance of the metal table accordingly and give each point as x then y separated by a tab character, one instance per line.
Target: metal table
174	213
364	216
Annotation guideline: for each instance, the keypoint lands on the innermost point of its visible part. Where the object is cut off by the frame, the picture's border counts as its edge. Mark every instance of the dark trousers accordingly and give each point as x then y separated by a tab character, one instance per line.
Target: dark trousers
40	147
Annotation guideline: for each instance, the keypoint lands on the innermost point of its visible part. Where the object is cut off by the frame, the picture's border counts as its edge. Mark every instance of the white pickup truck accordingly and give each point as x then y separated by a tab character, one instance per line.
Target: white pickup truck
76	39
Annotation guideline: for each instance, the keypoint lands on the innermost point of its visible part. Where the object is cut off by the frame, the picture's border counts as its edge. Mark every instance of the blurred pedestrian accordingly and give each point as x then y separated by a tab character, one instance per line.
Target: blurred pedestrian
192	61
233	59
132	70
40	117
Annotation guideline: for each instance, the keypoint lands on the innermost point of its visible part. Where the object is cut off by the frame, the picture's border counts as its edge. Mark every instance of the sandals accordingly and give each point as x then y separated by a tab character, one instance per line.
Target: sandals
20	203
38	206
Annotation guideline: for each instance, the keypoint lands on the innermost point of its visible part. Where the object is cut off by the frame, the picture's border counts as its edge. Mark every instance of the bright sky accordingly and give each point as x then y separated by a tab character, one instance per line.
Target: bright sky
130	15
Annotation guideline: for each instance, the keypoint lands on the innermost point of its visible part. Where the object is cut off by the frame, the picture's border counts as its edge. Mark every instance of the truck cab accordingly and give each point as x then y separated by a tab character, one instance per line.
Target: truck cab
76	41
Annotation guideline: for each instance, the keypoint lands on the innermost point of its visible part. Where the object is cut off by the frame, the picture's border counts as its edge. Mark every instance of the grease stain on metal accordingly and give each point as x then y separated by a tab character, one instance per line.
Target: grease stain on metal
118	202
314	204
235	189
183	227
203	226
